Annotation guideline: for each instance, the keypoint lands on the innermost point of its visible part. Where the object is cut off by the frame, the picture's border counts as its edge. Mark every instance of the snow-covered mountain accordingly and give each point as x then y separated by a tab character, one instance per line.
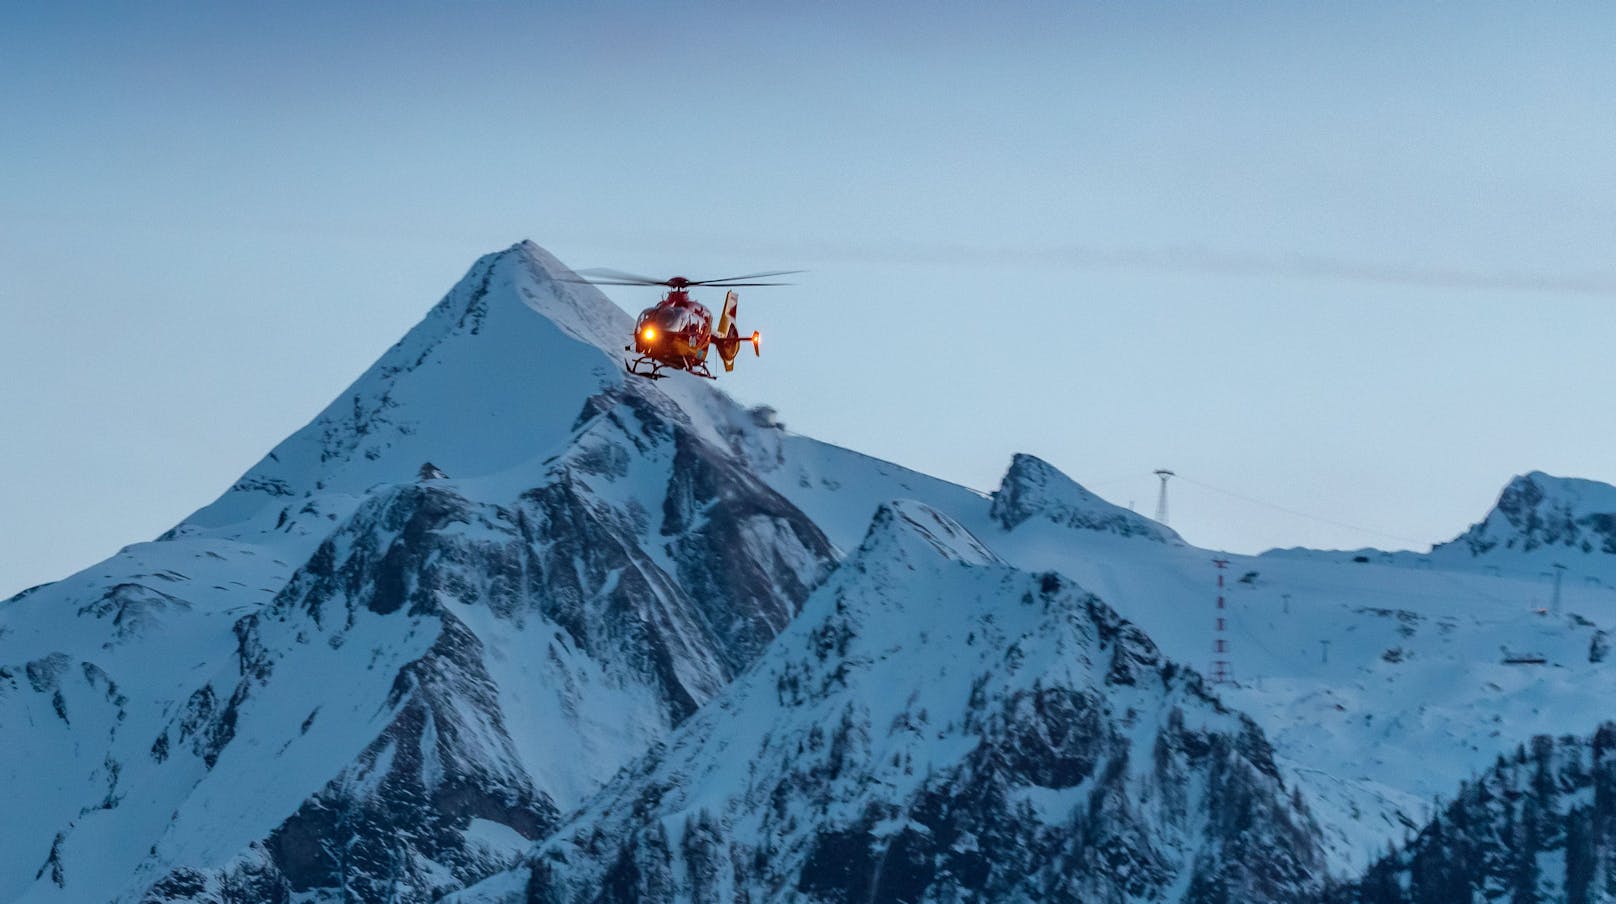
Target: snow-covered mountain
409	650
1540	825
937	725
433	669
1557	518
1539	522
1033	489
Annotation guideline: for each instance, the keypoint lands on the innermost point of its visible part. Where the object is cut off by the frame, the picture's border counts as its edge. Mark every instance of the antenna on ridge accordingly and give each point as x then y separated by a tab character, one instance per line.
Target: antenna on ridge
1161	501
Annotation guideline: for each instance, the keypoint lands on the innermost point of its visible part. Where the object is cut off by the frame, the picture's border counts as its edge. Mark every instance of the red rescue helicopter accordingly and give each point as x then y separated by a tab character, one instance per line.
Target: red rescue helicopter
678	331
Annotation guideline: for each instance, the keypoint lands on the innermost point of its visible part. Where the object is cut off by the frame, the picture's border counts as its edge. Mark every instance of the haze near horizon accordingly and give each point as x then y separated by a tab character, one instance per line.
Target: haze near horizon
1347	263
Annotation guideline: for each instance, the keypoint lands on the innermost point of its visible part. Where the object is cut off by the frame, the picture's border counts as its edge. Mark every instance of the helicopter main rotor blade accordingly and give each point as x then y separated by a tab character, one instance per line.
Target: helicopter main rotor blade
732	279
599	275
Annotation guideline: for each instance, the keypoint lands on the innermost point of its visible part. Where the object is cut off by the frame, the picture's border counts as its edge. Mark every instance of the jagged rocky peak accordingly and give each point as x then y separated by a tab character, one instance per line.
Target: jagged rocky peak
1540	825
546	639
488	379
1538	511
1035	489
937	725
430	471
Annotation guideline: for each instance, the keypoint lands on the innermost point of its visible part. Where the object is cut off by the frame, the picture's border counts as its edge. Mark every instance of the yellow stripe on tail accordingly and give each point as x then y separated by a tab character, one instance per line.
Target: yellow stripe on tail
728	343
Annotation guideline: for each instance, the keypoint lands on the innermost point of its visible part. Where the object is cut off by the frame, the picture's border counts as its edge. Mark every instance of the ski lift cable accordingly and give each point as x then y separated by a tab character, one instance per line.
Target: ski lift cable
1300	514
1092	485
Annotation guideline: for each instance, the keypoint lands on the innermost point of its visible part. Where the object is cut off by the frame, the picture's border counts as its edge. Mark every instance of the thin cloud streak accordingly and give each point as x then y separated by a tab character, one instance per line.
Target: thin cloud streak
1171	259
1216	263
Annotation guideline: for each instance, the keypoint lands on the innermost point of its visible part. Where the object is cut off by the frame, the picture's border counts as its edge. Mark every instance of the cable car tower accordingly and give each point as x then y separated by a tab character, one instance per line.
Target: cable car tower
1220	644
1161	501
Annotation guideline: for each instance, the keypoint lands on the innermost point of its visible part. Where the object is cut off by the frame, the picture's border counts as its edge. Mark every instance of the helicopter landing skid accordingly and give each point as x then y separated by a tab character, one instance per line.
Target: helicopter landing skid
645	367
651	369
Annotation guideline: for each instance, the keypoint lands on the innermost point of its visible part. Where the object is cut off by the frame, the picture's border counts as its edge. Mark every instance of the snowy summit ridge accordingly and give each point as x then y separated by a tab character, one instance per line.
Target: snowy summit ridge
504	625
937	725
473	388
435	669
1033	488
1537	511
922	523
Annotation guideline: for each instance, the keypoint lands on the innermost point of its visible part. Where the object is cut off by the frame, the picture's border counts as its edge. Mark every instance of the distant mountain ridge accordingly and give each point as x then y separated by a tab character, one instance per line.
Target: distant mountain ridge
1034	488
1537	512
886	751
408	653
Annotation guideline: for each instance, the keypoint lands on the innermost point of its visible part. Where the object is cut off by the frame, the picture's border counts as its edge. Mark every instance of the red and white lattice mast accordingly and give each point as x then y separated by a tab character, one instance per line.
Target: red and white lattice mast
1220	643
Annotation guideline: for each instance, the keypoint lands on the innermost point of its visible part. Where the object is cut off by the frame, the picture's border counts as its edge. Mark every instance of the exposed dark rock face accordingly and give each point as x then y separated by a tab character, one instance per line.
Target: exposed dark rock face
430	471
424	779
1537	511
1539	826
1077	766
678	604
1033	488
738	540
358	676
133	608
742	557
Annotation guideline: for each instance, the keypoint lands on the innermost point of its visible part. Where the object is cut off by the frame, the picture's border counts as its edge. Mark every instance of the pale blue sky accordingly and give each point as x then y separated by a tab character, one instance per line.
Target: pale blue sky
1354	260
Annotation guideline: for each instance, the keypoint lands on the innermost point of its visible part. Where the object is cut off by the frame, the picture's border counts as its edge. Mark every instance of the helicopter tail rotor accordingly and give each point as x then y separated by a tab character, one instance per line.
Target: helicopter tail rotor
728	338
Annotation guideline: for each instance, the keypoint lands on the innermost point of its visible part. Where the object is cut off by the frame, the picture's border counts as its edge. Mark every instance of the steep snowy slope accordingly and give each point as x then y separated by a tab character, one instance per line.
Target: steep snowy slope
490	379
350	676
1379	681
1034	493
937	725
430	671
559	647
1380	677
91	669
1541	520
1540	825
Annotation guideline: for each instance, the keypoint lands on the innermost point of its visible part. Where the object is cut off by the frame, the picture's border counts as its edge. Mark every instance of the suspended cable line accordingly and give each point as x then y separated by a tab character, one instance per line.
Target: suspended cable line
1300	514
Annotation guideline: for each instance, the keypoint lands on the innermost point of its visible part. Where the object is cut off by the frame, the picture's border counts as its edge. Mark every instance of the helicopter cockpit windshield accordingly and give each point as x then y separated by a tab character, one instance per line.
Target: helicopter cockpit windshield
671	319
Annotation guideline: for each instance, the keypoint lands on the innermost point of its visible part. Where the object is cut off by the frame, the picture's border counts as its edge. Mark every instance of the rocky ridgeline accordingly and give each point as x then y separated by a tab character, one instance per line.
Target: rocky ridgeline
1540	826
937	725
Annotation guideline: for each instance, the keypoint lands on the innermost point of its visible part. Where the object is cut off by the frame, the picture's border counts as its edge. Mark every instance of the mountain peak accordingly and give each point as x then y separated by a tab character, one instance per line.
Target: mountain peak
1588	495
927	732
1538	511
1033	488
549	287
904	526
481	384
